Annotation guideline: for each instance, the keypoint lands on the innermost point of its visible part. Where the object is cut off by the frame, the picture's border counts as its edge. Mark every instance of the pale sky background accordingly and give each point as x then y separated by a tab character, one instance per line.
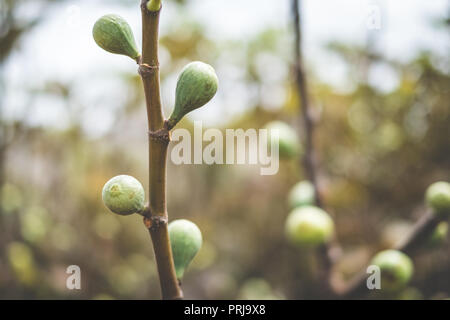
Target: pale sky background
62	49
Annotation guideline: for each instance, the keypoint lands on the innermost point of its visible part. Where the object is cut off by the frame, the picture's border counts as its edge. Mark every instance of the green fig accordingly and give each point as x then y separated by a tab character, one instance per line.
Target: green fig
439	234
197	84
309	226
437	197
123	195
112	33
396	269
289	143
185	240
153	5
301	194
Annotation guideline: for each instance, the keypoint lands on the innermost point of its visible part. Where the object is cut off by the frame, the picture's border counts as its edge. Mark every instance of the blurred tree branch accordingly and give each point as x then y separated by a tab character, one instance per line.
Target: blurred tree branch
309	161
309	158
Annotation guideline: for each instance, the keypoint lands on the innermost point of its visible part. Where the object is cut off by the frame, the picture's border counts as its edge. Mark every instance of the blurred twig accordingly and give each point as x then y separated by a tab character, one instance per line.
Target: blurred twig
309	160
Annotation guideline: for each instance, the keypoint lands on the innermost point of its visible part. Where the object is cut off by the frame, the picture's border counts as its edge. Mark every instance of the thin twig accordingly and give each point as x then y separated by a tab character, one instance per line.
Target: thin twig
309	158
149	71
309	161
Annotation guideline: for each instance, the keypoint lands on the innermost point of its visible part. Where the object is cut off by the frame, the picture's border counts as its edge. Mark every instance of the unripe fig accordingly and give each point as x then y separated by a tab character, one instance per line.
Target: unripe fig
112	33
123	195
196	85
396	269
153	5
437	197
309	226
439	234
185	240
301	194
289	143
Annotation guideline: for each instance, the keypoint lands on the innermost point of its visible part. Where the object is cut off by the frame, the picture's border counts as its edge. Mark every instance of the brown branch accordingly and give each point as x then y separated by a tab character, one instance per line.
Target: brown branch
309	161
149	71
309	158
420	232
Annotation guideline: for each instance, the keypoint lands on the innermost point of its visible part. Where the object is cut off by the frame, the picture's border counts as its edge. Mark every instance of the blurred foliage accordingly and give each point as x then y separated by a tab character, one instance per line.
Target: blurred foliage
378	152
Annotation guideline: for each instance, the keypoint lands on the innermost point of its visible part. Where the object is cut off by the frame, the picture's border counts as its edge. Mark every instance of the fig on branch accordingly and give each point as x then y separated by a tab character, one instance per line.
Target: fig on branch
113	34
309	226
301	194
153	5
396	269
185	240
123	195
197	84
289	143
437	197
439	234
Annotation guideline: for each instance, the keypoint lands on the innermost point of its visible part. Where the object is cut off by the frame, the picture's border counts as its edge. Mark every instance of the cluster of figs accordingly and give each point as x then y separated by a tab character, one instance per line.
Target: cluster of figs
196	85
308	226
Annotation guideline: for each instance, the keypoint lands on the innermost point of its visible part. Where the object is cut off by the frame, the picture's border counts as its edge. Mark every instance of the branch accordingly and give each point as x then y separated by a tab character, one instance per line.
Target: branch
420	232
309	161
157	222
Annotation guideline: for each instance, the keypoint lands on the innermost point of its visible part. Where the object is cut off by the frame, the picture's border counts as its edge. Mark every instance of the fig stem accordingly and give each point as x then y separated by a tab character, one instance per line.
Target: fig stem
149	71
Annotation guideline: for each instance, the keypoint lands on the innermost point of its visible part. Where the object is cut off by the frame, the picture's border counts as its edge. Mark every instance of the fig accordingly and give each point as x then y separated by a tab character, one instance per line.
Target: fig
301	194
123	195
289	143
396	269
309	226
113	34
437	197
197	84
185	240
153	5
439	234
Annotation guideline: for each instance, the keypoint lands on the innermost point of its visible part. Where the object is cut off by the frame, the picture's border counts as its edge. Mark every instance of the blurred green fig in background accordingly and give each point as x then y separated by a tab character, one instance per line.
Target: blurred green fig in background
396	269
289	143
437	197
123	195
185	240
301	194
439	234
197	84
113	34
309	226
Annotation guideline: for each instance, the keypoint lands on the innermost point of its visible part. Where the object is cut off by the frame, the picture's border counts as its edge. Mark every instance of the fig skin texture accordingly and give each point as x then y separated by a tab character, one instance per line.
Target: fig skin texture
301	194
437	197
124	195
396	269
113	34
289	143
309	226
197	84
185	240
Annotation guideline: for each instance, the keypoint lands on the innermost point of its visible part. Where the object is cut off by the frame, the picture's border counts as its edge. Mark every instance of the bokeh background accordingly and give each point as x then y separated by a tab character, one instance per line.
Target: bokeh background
72	116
